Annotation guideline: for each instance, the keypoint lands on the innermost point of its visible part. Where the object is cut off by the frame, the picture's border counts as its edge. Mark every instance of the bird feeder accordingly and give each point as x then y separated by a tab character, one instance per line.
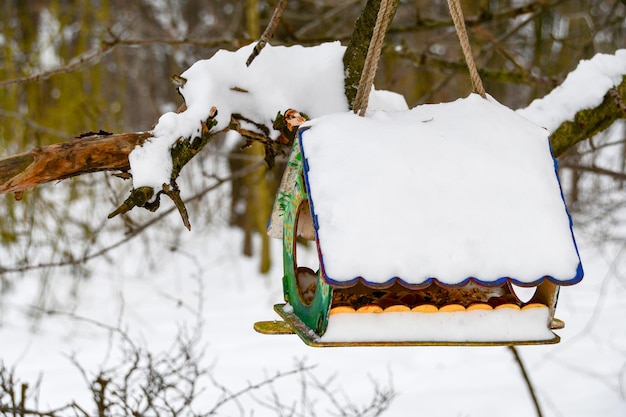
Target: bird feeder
427	223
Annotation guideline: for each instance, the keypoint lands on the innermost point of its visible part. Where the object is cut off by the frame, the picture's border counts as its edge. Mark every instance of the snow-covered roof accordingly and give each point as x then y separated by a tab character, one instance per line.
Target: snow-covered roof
453	191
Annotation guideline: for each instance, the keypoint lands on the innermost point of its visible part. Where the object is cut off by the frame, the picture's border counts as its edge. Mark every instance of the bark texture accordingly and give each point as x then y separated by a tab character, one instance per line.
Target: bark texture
68	159
356	51
589	122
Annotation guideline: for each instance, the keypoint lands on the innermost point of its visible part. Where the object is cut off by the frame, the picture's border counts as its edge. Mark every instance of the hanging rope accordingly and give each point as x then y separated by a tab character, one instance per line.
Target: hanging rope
373	55
459	23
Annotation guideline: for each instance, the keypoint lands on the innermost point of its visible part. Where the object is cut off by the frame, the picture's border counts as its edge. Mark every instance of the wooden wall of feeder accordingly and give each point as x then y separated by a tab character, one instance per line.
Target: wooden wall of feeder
426	222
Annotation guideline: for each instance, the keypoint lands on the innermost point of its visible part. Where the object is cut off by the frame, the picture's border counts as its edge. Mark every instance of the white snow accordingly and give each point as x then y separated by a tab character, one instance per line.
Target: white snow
447	191
499	325
581	376
151	163
583	88
309	79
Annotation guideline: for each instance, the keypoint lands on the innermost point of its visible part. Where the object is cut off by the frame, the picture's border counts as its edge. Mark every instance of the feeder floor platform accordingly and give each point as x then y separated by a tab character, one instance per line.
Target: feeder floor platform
292	324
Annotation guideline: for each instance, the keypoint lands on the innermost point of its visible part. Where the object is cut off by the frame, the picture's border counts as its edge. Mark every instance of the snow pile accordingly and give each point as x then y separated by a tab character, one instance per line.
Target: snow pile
446	191
583	88
309	79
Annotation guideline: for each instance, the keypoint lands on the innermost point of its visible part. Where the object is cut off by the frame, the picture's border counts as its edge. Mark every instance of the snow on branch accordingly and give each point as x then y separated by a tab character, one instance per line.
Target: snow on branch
584	88
586	123
247	100
307	79
588	101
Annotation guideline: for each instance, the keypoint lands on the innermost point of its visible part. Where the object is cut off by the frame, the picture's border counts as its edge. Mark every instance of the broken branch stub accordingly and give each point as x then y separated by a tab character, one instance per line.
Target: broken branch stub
81	155
182	152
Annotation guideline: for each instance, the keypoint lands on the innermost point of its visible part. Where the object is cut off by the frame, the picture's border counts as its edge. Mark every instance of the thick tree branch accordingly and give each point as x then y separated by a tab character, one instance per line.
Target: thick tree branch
589	122
67	159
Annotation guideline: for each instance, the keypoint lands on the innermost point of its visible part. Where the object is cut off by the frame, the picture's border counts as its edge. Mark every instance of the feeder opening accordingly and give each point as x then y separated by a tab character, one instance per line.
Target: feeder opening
524	294
305	260
432	298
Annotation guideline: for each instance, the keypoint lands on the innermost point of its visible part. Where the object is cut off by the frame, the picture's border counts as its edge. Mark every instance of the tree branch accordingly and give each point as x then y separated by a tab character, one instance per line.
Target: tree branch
595	169
103	151
105	47
182	152
529	384
485	16
499	75
68	159
136	231
589	122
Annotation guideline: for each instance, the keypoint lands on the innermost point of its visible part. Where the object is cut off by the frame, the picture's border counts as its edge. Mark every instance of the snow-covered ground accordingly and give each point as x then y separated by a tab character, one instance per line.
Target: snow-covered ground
584	375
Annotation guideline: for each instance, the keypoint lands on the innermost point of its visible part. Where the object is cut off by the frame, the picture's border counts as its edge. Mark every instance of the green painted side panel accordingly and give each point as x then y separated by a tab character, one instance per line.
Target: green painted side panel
315	314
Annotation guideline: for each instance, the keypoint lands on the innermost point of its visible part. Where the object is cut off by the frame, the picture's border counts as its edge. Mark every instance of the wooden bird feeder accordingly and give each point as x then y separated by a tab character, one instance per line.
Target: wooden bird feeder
426	222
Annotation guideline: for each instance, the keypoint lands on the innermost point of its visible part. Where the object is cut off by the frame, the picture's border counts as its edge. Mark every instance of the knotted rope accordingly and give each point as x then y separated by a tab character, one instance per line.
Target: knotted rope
459	23
373	55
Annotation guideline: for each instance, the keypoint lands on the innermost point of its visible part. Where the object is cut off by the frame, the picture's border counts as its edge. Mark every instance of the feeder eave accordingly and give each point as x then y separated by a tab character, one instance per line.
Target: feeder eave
414	284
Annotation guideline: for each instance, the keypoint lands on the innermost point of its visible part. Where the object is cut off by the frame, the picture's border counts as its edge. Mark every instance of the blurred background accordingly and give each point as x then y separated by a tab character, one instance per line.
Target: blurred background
70	67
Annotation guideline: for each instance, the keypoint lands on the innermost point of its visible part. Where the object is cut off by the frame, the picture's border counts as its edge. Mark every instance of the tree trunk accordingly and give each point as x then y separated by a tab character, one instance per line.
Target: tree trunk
356	51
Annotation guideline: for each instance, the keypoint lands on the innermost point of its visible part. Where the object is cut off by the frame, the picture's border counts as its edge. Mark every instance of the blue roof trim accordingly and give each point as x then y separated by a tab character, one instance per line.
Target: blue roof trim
305	170
391	281
314	218
579	269
492	283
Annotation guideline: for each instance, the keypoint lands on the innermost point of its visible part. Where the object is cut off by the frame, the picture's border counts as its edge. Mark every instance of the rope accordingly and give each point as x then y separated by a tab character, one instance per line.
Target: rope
373	55
459	23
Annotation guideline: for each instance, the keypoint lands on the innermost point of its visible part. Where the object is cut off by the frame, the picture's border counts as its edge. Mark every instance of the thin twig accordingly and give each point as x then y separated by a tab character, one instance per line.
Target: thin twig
136	231
594	169
251	387
269	31
423	24
94	54
529	384
75	63
33	124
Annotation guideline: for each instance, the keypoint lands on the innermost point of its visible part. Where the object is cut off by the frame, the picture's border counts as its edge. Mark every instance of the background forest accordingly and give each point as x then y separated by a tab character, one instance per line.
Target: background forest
71	67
